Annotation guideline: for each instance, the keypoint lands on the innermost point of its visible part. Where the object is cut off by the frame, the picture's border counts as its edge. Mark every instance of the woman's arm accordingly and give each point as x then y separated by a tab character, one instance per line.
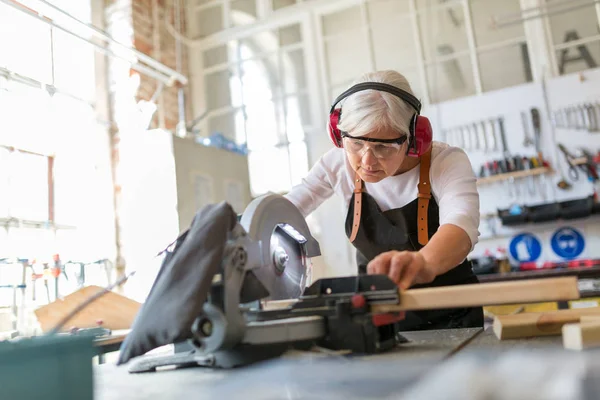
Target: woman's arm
447	248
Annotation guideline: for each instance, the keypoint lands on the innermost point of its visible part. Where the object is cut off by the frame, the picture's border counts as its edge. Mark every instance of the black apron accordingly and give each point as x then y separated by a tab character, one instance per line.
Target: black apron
396	229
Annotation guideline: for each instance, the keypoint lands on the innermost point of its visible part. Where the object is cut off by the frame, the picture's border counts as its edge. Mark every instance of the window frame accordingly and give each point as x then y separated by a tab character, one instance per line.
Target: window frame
280	98
50	220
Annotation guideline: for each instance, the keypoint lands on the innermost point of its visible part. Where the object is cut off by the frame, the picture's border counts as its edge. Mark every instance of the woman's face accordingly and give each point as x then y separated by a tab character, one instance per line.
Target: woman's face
374	161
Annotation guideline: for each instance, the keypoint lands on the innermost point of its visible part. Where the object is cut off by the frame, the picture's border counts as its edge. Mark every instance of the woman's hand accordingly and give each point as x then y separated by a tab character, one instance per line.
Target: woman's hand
405	268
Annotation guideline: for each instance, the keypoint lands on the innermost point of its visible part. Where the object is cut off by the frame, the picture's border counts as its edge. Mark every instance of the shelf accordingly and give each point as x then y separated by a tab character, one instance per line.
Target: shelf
515	175
580	272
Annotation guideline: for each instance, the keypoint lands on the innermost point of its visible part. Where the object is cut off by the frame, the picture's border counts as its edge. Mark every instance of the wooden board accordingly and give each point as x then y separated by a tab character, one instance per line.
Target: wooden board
538	324
487	341
484	294
589	318
581	336
114	310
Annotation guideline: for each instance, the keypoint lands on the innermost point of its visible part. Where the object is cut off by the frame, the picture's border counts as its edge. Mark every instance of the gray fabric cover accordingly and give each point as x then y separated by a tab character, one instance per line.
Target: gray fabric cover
182	284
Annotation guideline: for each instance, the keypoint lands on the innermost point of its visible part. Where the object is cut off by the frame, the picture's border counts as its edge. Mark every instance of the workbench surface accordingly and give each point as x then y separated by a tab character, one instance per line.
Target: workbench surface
447	364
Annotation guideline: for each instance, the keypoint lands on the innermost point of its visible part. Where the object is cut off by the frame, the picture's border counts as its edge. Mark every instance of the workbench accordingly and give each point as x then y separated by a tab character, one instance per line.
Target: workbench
444	364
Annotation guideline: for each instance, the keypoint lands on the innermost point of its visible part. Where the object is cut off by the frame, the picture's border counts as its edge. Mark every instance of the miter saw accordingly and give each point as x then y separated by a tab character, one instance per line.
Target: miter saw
266	257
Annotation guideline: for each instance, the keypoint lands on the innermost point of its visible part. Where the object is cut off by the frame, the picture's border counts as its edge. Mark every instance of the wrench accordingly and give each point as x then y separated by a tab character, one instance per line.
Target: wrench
583	118
571	122
593	118
527	141
483	132
492	123
466	139
505	151
473	132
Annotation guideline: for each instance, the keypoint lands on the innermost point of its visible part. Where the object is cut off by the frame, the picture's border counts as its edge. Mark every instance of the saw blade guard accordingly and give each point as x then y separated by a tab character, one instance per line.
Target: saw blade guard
286	244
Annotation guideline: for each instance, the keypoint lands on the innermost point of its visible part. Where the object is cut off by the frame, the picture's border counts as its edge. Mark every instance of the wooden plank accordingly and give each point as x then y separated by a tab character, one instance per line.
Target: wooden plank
114	310
538	324
581	336
487	341
589	318
473	295
484	294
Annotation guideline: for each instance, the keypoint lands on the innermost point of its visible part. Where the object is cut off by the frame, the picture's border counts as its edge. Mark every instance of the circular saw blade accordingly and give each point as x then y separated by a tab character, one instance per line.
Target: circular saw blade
285	277
286	245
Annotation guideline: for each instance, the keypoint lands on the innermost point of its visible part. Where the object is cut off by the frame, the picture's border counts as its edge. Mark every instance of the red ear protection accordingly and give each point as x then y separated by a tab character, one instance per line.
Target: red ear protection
420	135
334	132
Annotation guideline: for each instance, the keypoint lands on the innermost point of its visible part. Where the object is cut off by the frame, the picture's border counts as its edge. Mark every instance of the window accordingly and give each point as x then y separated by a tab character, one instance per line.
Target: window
501	52
55	173
575	34
50	53
446	49
346	47
256	93
25	185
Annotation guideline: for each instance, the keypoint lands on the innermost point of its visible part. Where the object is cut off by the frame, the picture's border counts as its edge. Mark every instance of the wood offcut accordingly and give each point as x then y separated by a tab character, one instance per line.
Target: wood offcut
539	324
113	310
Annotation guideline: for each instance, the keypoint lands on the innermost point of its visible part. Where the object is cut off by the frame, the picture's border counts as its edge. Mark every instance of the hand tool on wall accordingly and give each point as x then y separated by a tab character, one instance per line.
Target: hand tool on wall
466	138
525	121
526	165
563	184
494	139
584	119
596	111
592	118
589	166
575	118
583	116
537	140
586	165
578	116
505	151
506	164
481	128
474	136
537	129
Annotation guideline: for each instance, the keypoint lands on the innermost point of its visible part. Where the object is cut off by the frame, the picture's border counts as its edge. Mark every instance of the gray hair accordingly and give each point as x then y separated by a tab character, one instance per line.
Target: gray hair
370	111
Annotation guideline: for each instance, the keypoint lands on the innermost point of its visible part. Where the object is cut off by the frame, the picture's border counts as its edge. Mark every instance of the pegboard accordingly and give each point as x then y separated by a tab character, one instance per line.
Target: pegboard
548	97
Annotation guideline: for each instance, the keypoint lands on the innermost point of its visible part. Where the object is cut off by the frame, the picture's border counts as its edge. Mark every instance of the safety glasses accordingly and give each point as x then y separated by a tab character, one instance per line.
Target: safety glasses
381	148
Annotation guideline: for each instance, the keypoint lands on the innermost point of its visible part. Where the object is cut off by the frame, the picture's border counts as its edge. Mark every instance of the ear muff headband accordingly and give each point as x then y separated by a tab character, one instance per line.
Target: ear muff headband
383	87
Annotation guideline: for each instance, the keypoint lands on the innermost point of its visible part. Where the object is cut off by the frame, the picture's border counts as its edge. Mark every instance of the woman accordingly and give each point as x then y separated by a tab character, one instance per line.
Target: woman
416	201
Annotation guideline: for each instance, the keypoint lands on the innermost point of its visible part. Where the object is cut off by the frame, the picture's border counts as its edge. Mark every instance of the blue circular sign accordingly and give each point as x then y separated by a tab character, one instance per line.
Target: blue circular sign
525	247
567	243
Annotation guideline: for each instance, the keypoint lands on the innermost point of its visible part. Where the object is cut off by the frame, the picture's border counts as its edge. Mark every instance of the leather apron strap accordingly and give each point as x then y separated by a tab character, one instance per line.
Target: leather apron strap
358	189
424	195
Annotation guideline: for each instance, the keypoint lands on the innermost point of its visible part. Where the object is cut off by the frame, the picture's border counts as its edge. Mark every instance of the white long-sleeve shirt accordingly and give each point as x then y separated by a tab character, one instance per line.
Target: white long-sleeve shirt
453	186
